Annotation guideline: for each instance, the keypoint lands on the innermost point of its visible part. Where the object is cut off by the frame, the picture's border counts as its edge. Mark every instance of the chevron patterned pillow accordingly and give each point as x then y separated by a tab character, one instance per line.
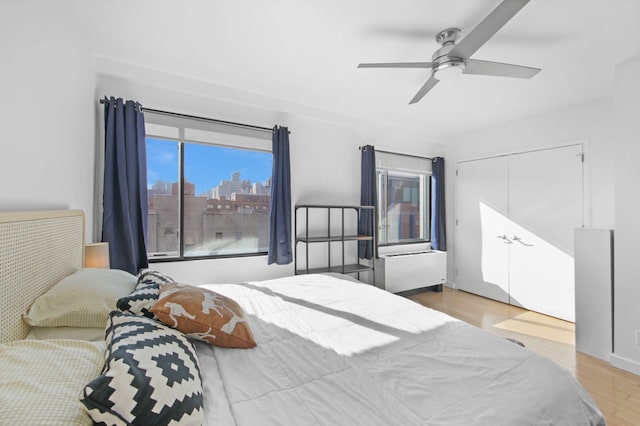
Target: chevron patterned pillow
145	294
151	376
148	276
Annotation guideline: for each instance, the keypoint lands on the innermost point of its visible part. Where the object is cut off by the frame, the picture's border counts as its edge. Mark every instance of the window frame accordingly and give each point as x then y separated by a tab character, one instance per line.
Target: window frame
181	140
382	174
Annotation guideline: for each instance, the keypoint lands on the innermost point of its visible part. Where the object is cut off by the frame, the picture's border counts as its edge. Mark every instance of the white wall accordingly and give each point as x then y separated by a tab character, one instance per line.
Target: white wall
325	160
627	217
590	124
46	114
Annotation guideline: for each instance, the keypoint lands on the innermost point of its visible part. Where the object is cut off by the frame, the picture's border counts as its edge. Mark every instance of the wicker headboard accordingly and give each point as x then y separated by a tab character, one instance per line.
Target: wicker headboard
37	249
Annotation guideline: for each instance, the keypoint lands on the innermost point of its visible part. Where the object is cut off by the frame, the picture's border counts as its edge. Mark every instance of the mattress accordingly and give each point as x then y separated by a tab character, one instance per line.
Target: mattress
335	352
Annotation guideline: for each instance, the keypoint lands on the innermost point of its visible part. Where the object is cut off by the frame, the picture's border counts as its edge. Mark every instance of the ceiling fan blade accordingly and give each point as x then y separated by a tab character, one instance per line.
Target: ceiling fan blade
397	65
474	66
487	28
428	85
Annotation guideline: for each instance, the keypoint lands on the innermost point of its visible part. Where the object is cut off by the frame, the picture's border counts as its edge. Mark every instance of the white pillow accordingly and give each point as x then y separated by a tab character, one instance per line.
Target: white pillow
82	299
90	334
41	381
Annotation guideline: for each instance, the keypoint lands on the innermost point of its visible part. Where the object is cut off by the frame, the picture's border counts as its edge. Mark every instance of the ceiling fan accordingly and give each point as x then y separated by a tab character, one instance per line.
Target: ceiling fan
454	59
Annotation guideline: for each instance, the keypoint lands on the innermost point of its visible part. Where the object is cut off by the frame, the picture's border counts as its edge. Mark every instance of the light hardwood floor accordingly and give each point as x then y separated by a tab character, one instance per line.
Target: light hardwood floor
616	391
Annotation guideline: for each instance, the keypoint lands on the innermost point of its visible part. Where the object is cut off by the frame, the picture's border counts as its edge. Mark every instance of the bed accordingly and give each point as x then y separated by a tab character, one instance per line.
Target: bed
328	351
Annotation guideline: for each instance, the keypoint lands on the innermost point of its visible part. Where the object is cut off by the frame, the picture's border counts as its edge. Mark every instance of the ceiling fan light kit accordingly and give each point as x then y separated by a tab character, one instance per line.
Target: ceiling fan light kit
453	59
448	70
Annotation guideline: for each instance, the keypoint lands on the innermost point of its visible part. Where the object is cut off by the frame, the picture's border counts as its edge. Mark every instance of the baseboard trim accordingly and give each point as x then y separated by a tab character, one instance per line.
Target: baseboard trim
625	364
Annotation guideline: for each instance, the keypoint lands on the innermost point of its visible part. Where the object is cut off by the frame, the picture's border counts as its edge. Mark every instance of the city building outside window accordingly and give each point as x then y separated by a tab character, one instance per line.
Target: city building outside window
208	189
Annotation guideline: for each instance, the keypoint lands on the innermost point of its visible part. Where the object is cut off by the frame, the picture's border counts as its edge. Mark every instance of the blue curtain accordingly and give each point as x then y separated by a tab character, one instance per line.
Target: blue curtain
124	220
280	219
438	226
368	197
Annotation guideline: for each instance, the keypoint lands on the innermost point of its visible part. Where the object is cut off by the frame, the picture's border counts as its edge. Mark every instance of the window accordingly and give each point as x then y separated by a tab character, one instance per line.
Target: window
404	188
194	168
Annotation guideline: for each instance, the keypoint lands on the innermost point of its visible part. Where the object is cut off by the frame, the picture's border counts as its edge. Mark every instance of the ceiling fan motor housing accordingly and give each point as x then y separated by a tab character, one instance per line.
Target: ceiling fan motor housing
444	66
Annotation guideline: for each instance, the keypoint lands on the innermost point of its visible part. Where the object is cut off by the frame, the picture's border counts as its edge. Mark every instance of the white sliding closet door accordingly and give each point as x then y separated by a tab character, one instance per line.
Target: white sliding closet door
545	204
514	235
482	228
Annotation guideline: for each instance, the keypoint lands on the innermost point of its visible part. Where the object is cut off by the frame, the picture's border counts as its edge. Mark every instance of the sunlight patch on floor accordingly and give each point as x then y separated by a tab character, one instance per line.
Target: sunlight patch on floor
540	326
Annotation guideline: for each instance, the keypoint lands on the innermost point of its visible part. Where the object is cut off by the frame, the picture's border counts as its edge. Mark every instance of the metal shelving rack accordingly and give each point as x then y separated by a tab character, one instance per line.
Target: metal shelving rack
328	239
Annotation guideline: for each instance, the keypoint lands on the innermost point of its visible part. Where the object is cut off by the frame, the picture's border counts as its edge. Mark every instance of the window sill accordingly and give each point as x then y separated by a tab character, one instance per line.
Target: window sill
406	243
388	249
190	258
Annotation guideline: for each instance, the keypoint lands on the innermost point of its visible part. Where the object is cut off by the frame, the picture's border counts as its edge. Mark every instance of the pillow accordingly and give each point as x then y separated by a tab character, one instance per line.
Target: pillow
151	376
145	295
148	276
89	334
41	380
204	315
82	299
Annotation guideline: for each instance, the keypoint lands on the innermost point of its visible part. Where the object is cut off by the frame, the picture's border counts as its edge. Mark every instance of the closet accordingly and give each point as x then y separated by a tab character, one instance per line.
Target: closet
515	216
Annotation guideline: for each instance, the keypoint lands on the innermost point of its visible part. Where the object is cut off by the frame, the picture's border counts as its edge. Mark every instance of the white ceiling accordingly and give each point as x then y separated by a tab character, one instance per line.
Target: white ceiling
306	53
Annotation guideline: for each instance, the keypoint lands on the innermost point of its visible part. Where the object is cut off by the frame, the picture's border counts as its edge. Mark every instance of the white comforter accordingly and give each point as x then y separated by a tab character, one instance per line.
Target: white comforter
333	352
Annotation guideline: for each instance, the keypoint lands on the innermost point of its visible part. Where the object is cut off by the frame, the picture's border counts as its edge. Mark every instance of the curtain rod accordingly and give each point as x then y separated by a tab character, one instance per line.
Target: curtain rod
399	153
214	120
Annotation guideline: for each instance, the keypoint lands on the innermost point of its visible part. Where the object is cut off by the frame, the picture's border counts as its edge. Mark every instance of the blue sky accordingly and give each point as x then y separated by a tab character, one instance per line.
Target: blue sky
205	165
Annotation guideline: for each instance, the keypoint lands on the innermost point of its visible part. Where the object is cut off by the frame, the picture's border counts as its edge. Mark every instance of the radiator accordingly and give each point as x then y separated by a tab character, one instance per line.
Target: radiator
407	271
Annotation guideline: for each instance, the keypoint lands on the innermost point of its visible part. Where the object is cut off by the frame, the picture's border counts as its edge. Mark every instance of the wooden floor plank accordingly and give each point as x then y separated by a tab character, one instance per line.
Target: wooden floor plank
631	417
613	421
616	391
